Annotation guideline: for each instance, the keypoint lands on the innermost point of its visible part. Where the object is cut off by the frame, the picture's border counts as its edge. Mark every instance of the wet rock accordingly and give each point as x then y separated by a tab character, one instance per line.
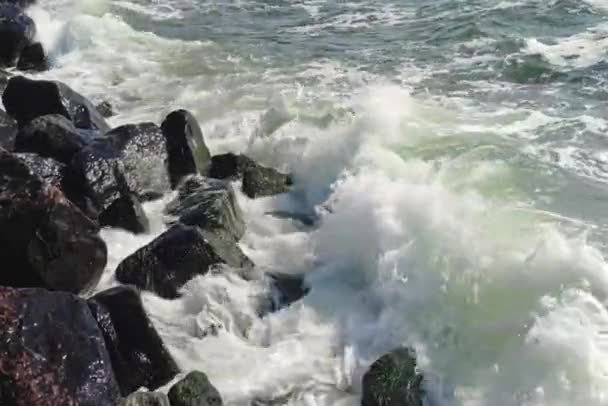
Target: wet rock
126	212
52	136
47	169
142	151
177	256
17	31
194	390
186	149
105	109
25	99
393	381
287	289
145	399
209	204
33	58
8	131
139	357
48	241
52	351
258	180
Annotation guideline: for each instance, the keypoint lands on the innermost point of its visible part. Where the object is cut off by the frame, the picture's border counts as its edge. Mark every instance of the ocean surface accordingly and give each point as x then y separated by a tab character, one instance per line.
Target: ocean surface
454	154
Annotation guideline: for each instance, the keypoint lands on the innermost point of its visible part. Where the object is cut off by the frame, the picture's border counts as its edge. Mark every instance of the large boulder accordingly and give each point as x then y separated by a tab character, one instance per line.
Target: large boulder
49	170
258	180
52	351
52	136
138	355
25	99
177	256
47	240
209	204
145	399
8	131
393	380
17	31
186	148
194	390
33	58
141	148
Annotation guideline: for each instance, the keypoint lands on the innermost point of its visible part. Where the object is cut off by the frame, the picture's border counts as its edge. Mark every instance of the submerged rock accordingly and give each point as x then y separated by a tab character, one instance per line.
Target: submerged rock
145	399
138	355
287	289
105	109
177	256
194	390
33	58
393	381
52	351
8	131
187	152
17	31
209	204
258	180
52	136
47	240
25	99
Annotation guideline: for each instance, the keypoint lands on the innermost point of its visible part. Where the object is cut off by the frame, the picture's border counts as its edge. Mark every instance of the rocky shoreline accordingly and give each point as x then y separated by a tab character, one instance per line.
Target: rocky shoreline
64	175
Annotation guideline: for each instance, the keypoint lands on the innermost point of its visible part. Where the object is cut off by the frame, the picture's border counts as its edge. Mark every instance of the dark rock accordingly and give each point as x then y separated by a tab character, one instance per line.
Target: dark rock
105	109
17	31
49	170
126	212
52	136
25	99
138	355
145	399
209	204
141	149
393	381
177	256
195	390
304	218
52	351
33	58
187	152
258	180
287	289
20	3
8	131
47	240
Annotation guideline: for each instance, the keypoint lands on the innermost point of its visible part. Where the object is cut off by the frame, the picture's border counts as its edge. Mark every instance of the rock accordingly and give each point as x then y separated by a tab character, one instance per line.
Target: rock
287	289
52	351
33	58
186	149
105	109
194	390
20	3
8	131
209	204
138	355
145	399
393	381
52	136
141	149
126	212
177	256
17	31
47	240
258	180
25	99
49	170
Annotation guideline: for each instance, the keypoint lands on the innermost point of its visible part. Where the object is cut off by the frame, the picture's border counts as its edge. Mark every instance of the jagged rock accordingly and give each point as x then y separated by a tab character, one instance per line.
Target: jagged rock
52	351
8	131
209	204
126	212
52	136
47	240
25	99
138	355
175	257
187	152
17	31
105	109
194	390
47	169
287	289
393	381
33	58
142	151
258	180
145	399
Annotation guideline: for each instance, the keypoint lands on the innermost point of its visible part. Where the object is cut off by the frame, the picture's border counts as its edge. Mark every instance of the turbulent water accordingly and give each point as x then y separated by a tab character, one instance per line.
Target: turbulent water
453	152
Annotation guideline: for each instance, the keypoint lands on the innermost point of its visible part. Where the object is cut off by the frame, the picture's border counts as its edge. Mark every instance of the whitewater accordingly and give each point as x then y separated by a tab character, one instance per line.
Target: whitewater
452	160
